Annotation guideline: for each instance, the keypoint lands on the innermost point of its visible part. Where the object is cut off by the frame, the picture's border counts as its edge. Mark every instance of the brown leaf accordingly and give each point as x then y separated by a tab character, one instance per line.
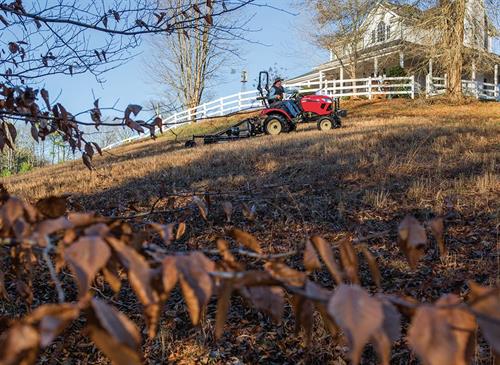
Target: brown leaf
463	326
249	213
311	260
52	319
285	273
34	133
202	207
485	301
358	314
82	219
45	96
3	292
269	299
196	283
87	160
304	316
140	276
437	228
134	125
349	260
86	257
228	210
326	253
372	264
48	227
132	108
166	232
227	256
89	150
181	229
432	338
412	239
196	8
13	47
246	239
12	131
114	334
11	211
53	206
19	345
112	279
389	332
209	19
170	275
97	148
223	303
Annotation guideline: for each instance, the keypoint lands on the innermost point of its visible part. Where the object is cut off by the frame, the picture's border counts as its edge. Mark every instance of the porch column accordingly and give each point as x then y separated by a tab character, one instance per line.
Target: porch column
474	82
375	66
496	81
341	79
401	59
320	80
430	67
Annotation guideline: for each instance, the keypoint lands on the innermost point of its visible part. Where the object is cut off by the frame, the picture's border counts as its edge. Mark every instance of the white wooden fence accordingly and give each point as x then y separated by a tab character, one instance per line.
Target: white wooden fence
480	90
364	87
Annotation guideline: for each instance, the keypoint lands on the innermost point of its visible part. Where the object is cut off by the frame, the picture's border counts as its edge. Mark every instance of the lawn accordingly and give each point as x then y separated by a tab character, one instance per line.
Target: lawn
389	159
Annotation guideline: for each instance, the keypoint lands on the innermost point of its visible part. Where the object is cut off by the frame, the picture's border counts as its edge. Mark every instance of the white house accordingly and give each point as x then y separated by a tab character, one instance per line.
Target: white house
391	39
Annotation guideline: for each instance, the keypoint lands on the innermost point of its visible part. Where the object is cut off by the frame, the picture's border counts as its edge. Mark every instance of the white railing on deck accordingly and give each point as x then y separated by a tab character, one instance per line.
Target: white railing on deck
368	87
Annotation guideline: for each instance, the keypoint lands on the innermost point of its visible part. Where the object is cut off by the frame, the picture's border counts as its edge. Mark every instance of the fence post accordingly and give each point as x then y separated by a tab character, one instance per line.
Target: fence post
370	87
413	86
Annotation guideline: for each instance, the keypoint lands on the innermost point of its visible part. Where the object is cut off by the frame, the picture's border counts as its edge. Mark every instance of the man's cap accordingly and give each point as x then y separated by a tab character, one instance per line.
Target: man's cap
277	79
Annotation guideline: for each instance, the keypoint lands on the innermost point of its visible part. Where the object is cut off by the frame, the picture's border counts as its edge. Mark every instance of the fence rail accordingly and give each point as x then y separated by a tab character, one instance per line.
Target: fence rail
363	87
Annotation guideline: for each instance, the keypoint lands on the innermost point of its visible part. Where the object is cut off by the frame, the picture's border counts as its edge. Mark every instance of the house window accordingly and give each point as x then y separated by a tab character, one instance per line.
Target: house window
388	32
381	32
374	38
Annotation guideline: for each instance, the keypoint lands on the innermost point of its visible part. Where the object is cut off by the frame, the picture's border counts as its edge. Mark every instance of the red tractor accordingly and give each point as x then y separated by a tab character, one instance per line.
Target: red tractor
275	118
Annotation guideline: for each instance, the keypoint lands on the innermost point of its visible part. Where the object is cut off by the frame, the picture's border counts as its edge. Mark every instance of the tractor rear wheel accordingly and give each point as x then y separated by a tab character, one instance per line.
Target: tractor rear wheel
325	124
274	125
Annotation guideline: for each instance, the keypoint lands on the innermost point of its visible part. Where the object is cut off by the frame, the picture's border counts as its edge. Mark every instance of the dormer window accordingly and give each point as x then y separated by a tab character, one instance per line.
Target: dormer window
374	36
381	32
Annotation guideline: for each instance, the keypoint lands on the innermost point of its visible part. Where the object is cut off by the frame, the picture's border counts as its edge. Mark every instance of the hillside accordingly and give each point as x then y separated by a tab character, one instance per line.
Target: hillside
389	159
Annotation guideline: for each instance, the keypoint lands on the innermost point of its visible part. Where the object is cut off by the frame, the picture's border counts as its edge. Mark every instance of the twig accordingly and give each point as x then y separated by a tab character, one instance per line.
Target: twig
254	255
53	274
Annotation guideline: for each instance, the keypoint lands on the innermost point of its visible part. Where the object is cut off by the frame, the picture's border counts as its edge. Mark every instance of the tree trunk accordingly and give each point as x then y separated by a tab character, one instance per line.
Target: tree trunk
454	40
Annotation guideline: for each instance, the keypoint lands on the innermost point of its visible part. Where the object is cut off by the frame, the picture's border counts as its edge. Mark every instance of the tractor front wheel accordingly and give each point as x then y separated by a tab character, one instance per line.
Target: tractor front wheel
325	124
274	125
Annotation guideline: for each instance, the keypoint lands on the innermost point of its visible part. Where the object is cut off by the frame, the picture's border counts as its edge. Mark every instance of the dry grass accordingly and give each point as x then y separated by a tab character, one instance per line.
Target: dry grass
390	158
416	157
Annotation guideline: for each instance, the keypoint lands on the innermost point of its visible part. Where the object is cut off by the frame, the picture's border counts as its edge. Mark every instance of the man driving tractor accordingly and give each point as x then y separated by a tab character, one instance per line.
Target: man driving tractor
276	95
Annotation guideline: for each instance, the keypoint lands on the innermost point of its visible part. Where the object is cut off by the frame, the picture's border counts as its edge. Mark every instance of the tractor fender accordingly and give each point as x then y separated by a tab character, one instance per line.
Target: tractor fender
267	112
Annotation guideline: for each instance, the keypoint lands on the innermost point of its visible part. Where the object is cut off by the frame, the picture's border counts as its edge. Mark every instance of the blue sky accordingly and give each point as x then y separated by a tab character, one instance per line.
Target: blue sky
280	41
